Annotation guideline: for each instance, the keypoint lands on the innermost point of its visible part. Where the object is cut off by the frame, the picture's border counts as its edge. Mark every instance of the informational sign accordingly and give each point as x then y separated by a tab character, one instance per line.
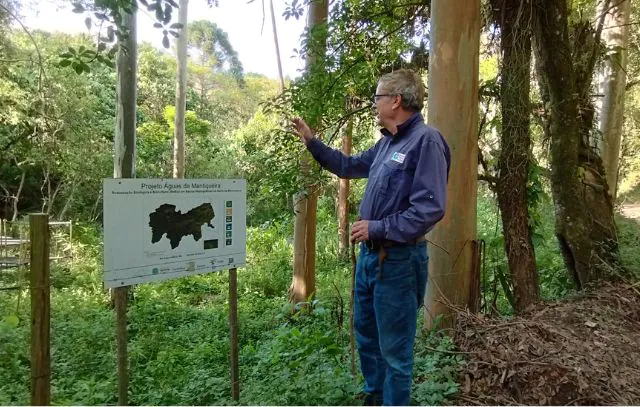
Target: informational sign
156	229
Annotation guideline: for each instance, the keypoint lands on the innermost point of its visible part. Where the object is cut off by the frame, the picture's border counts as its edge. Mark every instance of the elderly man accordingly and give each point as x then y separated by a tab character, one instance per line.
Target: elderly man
405	197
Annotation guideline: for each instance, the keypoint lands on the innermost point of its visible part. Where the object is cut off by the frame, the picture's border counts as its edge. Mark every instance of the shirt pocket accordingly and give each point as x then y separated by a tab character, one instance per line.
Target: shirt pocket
395	178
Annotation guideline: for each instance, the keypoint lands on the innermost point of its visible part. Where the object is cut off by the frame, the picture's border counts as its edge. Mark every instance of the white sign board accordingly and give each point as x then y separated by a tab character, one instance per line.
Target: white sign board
156	229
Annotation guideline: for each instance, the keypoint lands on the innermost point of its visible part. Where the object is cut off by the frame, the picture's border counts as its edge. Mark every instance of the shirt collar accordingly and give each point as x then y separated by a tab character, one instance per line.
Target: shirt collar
403	128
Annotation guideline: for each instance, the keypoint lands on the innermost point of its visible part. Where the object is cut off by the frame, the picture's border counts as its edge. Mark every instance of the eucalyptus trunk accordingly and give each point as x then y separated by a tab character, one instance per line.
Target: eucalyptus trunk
453	109
181	94
303	285
614	78
343	196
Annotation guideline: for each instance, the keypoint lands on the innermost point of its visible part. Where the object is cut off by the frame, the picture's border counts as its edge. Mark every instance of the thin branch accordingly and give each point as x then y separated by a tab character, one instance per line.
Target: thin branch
41	63
341	121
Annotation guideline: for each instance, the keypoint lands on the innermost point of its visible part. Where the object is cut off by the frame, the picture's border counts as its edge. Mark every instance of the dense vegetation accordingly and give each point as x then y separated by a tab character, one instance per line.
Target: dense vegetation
56	147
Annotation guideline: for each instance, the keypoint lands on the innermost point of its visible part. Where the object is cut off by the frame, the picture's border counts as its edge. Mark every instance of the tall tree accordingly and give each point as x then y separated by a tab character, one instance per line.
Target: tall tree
453	109
565	58
614	78
303	285
124	167
213	53
516	27
181	93
125	135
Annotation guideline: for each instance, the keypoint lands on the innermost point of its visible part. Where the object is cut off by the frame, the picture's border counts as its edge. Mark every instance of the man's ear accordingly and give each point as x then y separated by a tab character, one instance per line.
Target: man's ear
397	102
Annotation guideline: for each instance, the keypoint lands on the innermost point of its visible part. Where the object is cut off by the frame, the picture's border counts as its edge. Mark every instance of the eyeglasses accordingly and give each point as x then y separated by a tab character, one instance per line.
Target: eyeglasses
376	97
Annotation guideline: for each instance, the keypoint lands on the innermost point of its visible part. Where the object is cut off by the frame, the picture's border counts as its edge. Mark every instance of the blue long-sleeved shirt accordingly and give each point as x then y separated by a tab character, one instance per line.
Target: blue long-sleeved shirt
406	193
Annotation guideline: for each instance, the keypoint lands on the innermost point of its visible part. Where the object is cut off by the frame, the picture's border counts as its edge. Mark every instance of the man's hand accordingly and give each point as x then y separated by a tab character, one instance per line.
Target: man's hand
360	231
302	129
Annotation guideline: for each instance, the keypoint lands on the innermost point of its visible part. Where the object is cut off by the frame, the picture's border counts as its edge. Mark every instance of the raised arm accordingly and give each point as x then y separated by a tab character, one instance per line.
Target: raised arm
343	166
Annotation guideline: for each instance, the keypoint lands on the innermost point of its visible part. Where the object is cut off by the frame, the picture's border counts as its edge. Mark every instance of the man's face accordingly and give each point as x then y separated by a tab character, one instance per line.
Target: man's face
383	104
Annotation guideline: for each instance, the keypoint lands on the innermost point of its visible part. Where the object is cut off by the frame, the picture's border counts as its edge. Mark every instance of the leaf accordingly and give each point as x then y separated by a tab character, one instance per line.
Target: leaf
157	25
165	41
77	67
159	15
167	14
173	3
176	26
174	33
87	22
102	46
64	62
144	3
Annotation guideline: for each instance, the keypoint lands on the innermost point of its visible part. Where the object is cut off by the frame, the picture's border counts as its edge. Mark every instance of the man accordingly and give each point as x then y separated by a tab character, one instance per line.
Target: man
404	198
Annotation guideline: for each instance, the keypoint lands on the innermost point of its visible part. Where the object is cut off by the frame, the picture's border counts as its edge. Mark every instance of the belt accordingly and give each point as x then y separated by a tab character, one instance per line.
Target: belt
381	247
375	245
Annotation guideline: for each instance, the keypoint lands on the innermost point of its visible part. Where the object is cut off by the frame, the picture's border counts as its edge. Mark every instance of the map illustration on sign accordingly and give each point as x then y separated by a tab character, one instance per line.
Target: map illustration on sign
165	220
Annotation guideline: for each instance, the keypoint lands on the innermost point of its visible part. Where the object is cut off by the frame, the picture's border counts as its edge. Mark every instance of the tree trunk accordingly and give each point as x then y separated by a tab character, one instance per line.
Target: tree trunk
614	78
181	95
306	202
514	18
275	41
584	212
67	203
453	109
343	196
124	167
16	197
125	136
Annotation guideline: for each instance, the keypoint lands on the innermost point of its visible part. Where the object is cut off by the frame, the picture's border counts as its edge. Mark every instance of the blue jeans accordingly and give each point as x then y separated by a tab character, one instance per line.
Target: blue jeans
386	310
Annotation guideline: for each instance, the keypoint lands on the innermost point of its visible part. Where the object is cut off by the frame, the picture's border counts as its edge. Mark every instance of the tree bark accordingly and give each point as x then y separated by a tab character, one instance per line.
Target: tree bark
306	202
343	196
453	109
276	43
614	78
16	197
515	20
585	226
125	135
124	167
181	95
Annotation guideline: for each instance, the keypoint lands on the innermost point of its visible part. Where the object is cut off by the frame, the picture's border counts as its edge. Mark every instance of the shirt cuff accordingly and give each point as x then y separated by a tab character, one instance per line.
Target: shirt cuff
376	230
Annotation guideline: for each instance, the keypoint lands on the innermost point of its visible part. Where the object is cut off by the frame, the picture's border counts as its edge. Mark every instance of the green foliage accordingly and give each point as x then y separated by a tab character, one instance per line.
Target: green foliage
495	282
436	369
629	240
311	366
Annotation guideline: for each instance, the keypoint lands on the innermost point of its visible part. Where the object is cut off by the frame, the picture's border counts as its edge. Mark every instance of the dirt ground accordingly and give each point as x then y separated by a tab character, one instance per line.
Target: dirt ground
631	211
581	351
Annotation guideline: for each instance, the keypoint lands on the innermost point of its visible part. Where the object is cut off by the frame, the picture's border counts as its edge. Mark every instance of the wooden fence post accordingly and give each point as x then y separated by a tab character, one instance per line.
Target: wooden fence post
40	310
233	331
